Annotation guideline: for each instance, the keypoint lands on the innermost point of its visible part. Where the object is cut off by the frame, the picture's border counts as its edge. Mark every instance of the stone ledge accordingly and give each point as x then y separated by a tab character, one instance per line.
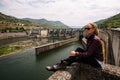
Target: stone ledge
86	72
112	69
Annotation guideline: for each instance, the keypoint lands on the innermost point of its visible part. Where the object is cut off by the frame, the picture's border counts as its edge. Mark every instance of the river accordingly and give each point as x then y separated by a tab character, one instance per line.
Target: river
27	66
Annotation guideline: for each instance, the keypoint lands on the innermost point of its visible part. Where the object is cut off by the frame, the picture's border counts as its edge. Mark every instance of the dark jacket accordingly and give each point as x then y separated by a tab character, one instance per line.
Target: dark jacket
94	48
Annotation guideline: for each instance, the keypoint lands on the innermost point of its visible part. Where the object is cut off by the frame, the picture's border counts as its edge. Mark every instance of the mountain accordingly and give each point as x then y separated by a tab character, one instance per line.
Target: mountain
12	22
9	22
112	22
100	21
48	24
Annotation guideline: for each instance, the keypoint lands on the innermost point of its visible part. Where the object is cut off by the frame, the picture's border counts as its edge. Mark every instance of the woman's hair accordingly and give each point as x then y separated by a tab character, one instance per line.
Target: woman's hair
95	27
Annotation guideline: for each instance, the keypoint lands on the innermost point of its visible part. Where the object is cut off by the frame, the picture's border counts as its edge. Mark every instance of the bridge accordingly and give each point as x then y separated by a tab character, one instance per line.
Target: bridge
111	41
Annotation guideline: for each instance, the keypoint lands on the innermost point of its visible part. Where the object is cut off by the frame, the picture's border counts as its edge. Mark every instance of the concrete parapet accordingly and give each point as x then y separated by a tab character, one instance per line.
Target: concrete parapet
115	40
111	38
50	46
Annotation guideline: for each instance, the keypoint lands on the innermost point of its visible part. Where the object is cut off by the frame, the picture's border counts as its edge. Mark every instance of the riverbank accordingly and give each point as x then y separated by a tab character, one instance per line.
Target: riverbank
14	52
16	47
20	46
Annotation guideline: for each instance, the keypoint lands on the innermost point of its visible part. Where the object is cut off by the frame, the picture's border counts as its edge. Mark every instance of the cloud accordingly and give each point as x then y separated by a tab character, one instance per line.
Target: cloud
70	12
1	4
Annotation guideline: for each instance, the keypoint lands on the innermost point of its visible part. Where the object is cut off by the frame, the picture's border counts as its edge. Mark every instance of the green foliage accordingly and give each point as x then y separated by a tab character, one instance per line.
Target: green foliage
17	29
48	24
12	22
9	49
112	22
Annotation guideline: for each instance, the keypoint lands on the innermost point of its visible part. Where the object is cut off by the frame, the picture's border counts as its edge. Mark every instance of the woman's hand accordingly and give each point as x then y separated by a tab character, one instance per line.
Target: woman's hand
73	53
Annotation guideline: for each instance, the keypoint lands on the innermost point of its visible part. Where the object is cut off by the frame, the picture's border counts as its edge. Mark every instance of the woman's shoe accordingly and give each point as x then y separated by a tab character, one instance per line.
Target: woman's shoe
50	68
61	65
57	66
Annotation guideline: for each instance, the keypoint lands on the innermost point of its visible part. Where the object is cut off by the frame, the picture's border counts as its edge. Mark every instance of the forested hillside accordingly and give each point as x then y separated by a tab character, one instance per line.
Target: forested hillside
12	24
9	21
48	24
112	22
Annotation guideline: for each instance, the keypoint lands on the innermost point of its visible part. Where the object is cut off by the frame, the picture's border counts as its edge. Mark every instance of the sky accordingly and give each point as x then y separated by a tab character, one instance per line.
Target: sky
70	12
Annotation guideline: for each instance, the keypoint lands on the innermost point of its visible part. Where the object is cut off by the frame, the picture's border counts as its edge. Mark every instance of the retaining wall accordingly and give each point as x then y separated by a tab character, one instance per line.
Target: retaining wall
50	46
12	35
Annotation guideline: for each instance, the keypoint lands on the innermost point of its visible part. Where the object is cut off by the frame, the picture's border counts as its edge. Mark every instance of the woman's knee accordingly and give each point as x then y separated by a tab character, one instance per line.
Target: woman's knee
79	50
72	53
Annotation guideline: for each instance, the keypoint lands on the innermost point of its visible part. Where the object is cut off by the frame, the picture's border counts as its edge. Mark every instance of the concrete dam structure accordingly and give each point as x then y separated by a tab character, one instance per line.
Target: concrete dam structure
111	39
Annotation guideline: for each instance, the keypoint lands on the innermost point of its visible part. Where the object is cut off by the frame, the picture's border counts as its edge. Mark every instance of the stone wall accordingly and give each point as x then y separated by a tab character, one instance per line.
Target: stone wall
80	71
12	35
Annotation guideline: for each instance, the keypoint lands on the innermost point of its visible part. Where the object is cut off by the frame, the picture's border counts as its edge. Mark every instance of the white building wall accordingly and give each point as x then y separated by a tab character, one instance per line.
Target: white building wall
44	33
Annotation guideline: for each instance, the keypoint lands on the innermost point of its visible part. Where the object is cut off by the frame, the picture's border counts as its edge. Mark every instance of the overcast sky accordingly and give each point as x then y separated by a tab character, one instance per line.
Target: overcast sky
70	12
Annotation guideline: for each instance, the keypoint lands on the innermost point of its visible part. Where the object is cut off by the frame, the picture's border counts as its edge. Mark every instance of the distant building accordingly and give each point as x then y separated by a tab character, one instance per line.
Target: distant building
44	33
37	31
19	24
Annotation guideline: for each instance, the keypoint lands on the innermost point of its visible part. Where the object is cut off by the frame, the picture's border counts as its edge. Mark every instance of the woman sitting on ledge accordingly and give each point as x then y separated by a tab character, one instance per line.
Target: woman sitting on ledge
92	55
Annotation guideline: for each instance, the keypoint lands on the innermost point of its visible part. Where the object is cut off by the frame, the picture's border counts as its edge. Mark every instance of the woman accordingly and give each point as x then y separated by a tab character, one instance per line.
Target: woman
92	55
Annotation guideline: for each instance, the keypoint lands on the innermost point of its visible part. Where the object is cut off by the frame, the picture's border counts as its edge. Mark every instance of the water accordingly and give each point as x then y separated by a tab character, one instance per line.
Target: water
26	66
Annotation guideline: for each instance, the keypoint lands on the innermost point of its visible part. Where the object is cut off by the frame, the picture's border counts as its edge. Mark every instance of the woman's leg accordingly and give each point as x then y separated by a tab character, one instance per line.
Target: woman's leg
72	59
91	61
66	61
79	50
